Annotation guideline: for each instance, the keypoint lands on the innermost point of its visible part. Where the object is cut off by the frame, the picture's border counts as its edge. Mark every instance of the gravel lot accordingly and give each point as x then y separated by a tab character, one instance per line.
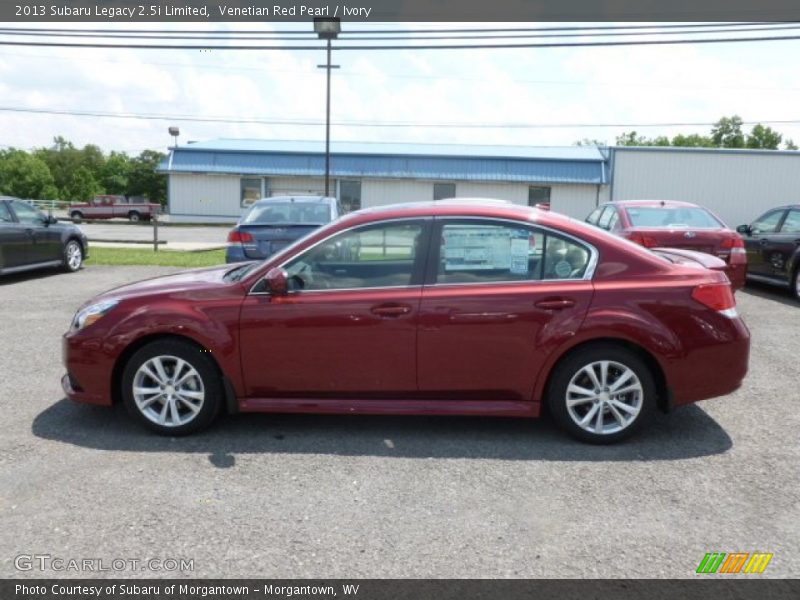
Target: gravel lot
313	496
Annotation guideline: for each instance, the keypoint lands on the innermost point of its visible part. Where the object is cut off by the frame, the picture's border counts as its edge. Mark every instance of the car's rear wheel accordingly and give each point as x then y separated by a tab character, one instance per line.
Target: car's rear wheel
76	216
73	256
602	394
134	216
172	387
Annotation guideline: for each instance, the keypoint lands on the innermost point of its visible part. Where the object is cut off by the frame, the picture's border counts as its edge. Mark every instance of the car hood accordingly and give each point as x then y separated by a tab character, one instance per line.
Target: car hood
195	280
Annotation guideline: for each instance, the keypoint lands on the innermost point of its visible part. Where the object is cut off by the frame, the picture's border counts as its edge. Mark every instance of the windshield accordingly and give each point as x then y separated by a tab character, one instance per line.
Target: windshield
288	213
681	216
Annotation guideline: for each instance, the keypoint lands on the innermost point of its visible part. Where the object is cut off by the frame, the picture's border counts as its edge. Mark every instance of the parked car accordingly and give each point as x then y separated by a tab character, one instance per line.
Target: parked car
113	207
30	239
433	308
773	247
271	224
673	224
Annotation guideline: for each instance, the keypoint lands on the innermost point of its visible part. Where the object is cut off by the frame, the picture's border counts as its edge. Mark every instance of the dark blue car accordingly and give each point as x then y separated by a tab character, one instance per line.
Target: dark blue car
271	224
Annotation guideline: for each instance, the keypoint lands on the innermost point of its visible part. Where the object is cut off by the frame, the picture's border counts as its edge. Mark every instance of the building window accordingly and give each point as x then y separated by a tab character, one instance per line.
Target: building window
444	190
251	190
538	194
350	194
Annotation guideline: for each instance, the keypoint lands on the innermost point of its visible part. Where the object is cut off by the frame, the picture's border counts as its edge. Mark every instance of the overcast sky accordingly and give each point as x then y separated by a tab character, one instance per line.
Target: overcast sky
545	86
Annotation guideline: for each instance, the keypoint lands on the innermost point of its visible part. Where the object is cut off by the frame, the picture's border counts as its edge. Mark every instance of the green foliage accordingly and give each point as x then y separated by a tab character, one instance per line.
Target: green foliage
765	138
726	133
81	186
590	142
143	179
77	174
25	176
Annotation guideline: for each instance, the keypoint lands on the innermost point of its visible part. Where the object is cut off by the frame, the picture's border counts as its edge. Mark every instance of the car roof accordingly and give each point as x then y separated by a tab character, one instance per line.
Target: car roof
304	199
656	203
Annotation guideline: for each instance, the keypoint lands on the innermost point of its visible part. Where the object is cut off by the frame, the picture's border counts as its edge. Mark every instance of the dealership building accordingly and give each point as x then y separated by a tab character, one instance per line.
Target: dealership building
216	181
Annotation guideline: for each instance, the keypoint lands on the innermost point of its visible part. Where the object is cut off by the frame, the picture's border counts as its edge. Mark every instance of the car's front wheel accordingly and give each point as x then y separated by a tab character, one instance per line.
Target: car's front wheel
796	284
172	387
602	394
73	256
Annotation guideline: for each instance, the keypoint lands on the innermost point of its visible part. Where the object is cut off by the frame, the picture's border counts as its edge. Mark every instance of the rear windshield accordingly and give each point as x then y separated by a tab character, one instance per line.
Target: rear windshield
289	213
658	216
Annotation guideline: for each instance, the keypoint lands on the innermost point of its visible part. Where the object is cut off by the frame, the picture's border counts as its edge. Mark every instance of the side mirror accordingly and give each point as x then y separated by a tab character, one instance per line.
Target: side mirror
745	229
277	282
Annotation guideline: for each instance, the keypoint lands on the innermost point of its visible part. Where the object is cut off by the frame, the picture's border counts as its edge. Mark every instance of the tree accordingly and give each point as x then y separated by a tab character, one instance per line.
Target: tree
25	176
115	173
789	145
81	187
727	133
143	179
765	138
631	138
591	142
693	140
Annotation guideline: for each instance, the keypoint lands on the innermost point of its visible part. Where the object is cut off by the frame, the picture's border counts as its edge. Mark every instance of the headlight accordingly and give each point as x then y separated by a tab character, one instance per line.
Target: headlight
90	314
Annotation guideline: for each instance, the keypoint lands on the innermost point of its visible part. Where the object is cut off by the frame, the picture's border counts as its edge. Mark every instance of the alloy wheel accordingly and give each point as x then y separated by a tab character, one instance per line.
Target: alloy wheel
74	256
604	397
168	391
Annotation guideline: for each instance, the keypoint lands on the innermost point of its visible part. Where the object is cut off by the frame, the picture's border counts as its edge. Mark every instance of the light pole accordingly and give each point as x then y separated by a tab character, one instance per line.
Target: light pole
174	132
327	29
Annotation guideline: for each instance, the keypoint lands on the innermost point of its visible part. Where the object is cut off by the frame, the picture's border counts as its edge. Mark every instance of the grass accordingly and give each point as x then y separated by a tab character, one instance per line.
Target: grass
162	258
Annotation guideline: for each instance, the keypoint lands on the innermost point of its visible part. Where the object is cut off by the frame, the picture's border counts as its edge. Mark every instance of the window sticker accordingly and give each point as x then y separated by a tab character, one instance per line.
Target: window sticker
473	248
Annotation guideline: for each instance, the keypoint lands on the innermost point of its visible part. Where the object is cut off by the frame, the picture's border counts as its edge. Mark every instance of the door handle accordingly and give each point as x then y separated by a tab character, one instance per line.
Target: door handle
797	242
763	241
391	310
555	303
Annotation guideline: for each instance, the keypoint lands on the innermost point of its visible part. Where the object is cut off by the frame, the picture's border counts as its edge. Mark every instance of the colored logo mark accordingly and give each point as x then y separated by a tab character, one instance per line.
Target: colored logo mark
734	562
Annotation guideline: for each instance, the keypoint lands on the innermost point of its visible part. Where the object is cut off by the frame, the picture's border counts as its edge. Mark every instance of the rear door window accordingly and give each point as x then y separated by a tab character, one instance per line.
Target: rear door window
605	218
489	252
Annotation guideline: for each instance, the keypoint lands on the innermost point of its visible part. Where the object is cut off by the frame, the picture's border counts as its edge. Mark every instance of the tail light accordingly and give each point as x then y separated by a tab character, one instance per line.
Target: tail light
643	240
718	297
240	237
735	245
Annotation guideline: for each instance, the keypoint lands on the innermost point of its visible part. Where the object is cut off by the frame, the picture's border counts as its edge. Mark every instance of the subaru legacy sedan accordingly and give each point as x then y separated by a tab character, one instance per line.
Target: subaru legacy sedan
271	224
439	308
674	224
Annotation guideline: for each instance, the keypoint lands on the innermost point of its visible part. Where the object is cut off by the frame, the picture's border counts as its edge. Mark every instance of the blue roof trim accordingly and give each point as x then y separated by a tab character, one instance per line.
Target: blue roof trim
378	165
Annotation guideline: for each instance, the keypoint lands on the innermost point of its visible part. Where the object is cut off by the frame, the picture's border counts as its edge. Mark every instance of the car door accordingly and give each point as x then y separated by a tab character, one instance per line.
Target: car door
348	329
498	297
44	243
759	243
14	240
783	245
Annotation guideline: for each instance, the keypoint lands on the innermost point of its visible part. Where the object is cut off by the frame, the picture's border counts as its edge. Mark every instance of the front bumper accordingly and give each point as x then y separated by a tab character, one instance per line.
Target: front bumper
89	370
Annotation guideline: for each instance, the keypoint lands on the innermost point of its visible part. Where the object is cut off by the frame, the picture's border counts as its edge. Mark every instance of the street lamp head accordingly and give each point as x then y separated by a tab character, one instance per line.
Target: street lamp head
327	28
174	131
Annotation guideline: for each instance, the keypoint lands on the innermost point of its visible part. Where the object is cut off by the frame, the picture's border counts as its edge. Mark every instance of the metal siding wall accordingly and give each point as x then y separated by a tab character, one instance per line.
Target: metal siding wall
737	187
205	195
575	201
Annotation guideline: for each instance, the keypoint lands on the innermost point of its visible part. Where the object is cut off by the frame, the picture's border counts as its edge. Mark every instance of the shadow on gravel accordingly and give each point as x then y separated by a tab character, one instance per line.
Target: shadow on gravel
686	433
31	275
769	292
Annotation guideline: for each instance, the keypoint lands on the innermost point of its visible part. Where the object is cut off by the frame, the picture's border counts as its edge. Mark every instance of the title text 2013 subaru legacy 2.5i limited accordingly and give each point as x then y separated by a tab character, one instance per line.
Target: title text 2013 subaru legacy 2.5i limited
457	307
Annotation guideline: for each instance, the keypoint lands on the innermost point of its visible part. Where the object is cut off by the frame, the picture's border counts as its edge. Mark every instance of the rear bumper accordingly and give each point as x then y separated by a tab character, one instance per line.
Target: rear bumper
714	368
235	253
737	274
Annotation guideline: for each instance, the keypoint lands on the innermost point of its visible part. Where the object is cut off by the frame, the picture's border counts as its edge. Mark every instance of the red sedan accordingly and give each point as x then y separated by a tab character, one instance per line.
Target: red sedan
672	224
459	307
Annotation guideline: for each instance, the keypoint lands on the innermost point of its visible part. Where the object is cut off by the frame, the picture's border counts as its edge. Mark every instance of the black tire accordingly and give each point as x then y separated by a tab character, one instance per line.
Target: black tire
197	359
134	217
572	366
794	284
73	256
76	216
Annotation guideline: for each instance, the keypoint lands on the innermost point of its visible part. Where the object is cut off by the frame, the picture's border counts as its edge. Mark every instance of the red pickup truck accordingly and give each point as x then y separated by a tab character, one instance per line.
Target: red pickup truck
112	207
